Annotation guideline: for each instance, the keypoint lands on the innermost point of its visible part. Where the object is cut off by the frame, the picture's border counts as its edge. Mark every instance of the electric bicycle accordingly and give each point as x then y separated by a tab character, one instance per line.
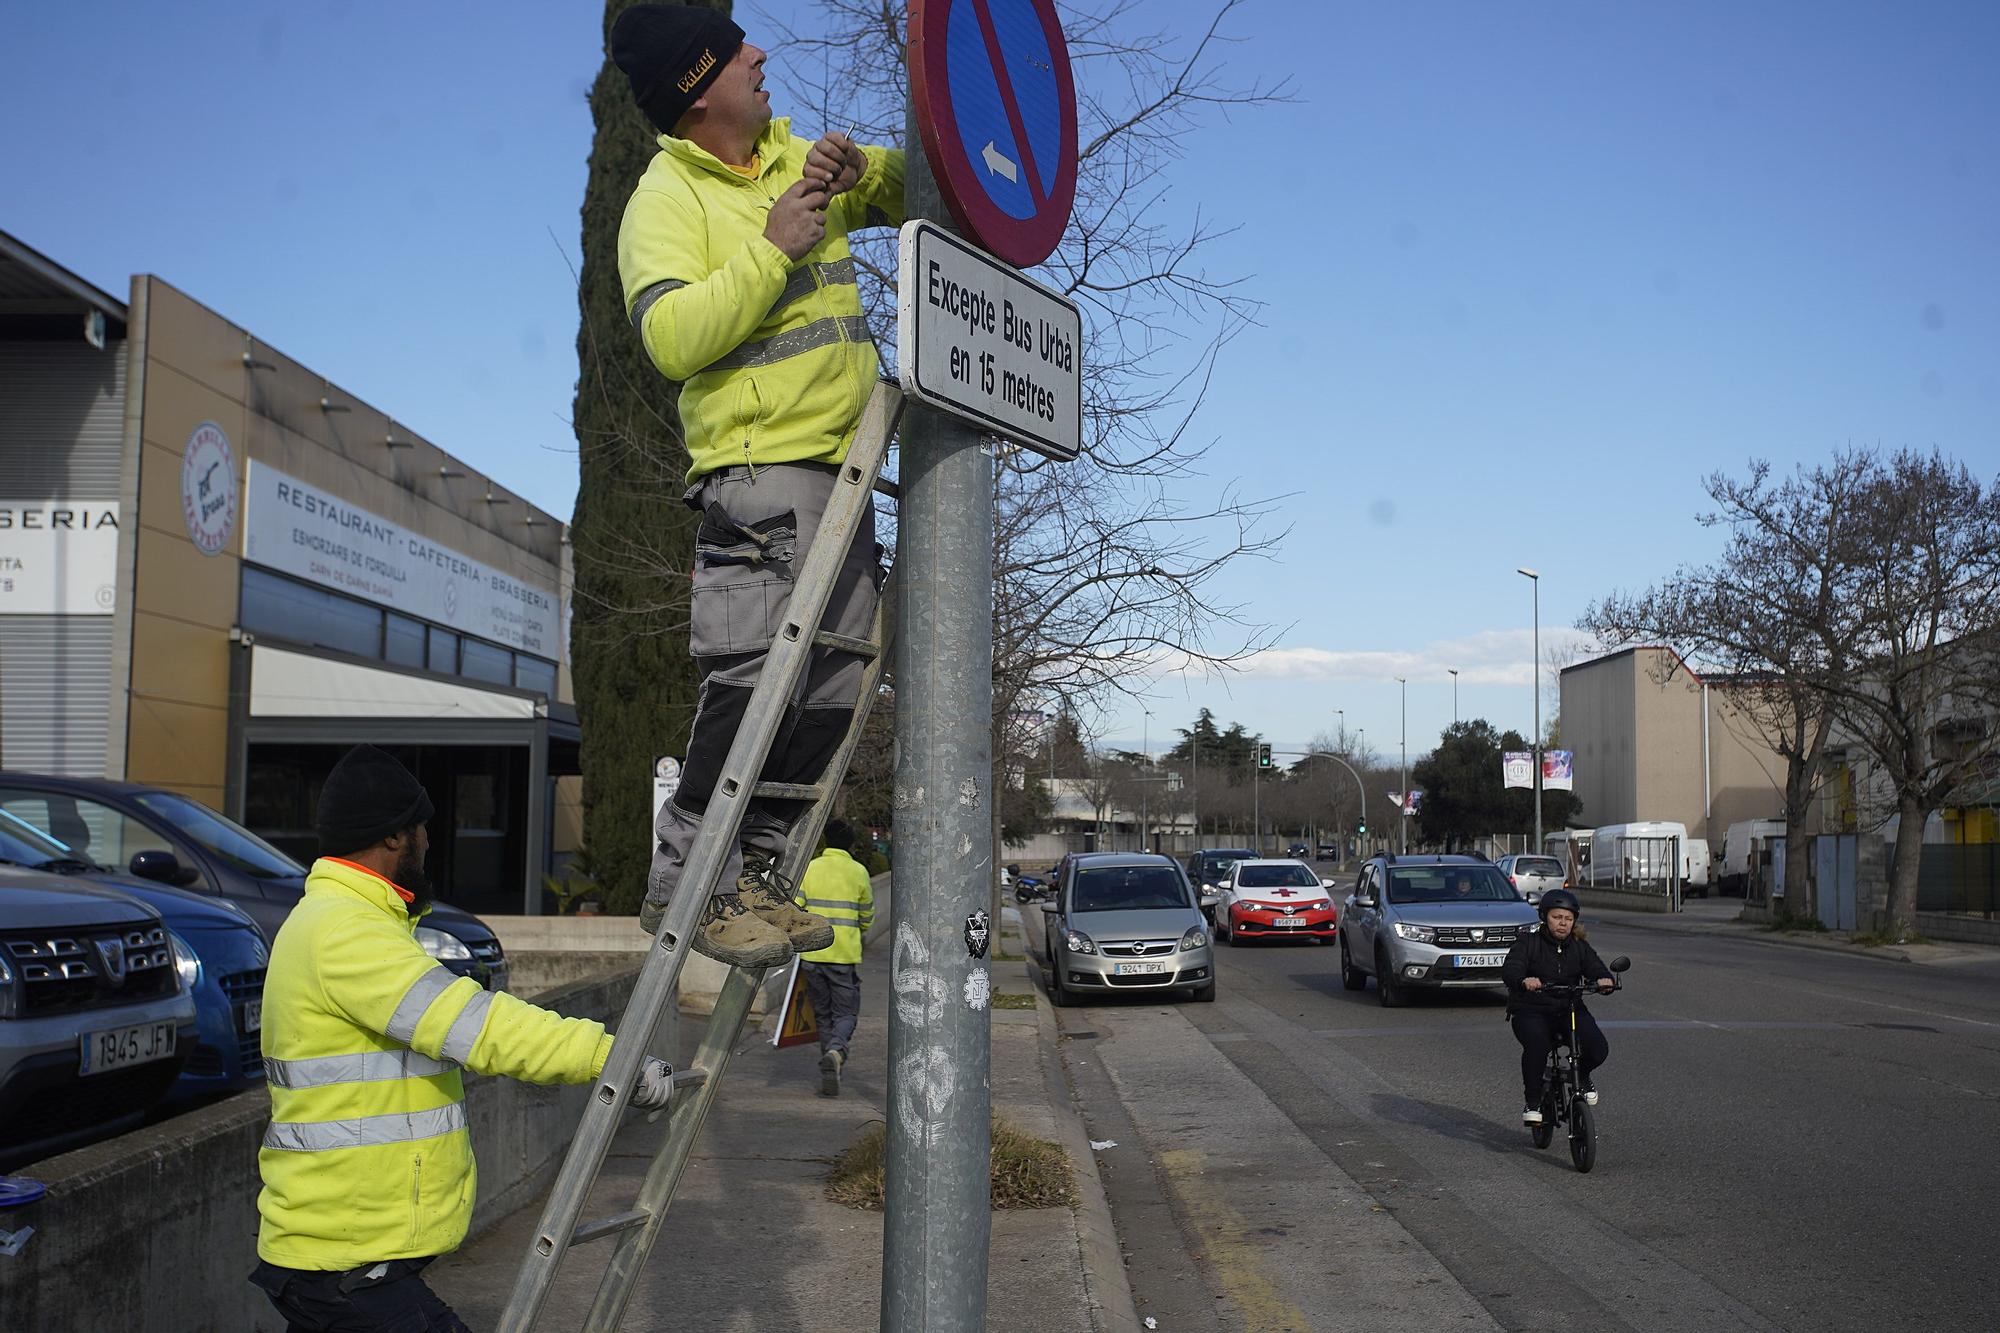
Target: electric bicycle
1563	1101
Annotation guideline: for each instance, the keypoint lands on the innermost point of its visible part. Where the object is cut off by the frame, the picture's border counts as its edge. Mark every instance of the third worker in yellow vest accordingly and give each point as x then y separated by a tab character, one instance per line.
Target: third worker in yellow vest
836	887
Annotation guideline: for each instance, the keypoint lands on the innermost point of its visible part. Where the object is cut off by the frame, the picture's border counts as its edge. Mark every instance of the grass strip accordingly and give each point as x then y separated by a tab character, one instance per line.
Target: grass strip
1027	1172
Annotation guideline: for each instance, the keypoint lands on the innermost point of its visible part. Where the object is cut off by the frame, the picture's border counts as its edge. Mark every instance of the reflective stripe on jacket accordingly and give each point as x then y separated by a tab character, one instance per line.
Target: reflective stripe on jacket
367	1156
837	888
774	358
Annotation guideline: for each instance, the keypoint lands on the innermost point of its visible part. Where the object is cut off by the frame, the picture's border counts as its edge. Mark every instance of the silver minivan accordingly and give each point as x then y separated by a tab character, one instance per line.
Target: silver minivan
1125	922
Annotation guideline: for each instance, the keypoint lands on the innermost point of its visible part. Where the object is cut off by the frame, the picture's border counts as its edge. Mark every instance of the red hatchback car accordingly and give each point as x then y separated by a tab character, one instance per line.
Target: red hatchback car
1274	900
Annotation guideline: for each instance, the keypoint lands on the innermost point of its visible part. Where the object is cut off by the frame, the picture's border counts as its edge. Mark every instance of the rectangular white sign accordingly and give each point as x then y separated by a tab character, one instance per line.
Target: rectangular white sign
58	557
306	532
981	341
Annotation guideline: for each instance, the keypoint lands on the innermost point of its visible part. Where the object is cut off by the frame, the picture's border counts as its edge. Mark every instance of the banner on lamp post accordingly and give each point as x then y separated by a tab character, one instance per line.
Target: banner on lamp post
1517	769
1558	771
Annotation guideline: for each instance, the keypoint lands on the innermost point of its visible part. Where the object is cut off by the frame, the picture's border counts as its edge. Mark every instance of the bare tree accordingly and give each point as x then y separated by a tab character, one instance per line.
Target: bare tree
1924	601
1103	575
1769	616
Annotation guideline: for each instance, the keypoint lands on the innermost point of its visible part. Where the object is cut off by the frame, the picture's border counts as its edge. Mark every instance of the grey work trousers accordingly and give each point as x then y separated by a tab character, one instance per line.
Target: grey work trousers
835	992
757	524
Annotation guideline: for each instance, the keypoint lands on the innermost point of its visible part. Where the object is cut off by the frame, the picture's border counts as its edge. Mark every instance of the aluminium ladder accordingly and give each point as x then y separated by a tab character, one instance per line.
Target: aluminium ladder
637	1228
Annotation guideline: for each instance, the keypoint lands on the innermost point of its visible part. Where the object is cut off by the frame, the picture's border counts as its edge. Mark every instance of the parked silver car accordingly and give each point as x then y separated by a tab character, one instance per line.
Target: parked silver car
1125	922
1432	921
96	1017
1531	874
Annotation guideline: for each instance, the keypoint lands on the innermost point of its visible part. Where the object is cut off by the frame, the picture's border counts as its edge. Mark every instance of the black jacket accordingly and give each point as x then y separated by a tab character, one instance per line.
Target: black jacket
1538	955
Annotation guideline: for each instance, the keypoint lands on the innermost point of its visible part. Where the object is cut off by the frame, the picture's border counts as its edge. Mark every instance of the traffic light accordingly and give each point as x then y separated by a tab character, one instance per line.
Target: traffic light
1263	754
1362	828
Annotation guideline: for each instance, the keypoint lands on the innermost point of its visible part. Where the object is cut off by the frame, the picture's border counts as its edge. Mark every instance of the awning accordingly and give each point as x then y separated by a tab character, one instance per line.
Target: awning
292	684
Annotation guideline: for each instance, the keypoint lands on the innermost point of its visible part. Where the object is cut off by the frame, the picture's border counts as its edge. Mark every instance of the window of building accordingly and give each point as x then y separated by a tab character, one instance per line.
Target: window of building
404	641
276	605
532	673
444	651
487	662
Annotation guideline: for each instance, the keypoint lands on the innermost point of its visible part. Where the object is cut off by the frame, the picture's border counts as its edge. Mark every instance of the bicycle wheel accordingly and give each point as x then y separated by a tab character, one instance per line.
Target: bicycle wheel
1582	1135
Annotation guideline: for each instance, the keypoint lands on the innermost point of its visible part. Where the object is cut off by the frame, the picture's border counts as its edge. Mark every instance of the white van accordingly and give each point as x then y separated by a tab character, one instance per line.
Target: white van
1572	848
1697	868
1745	850
1629	853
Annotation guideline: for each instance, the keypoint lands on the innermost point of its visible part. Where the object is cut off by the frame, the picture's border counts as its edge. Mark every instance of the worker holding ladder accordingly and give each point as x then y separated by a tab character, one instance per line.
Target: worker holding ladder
737	278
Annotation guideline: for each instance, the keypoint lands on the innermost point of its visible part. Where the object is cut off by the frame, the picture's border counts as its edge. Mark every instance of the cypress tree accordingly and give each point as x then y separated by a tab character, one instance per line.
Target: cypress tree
632	538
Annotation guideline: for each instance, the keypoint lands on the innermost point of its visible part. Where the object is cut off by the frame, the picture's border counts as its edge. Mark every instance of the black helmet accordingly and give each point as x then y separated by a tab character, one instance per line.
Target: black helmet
1562	898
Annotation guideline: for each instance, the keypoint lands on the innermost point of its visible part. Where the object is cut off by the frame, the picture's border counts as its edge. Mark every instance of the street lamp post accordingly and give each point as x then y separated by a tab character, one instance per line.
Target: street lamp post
1403	796
1536	579
1145	793
1454	694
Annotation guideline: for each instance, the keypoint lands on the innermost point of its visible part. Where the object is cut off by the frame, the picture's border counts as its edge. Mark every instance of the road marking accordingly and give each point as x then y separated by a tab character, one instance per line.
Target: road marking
1230	1248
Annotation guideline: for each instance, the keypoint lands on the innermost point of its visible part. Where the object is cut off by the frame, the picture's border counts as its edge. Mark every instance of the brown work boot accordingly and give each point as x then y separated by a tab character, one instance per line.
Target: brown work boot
763	892
731	933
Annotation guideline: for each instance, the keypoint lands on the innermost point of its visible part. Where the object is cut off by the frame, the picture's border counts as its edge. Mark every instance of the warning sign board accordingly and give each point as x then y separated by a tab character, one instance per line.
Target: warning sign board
797	1023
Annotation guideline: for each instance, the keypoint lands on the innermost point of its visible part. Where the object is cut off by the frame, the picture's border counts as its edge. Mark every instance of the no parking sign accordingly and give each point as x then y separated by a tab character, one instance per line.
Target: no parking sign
996	105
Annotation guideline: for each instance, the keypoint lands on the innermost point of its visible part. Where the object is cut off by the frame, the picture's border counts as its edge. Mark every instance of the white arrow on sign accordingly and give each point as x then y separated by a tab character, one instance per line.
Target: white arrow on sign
999	163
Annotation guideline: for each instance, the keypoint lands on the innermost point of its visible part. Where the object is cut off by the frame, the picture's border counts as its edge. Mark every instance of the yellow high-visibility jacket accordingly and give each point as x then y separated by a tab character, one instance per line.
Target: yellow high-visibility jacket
836	887
774	358
367	1156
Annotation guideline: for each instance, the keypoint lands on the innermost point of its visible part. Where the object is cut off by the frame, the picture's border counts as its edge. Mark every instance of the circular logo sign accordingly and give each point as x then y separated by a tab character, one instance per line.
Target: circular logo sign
208	488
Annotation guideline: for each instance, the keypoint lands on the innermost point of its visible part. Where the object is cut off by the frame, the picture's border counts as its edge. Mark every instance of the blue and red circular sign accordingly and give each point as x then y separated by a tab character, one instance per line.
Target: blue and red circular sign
996	105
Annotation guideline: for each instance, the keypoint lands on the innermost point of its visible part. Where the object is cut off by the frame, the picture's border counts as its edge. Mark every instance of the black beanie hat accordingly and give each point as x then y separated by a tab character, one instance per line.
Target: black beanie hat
671	53
367	797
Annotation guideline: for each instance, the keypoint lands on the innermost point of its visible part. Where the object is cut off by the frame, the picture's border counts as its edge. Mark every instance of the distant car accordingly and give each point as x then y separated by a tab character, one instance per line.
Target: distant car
222	964
1431	922
1532	875
1207	868
1329	851
95	1024
1125	921
1298	851
1272	899
169	838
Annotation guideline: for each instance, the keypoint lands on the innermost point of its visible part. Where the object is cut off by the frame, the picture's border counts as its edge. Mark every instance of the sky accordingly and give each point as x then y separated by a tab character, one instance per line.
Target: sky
1528	274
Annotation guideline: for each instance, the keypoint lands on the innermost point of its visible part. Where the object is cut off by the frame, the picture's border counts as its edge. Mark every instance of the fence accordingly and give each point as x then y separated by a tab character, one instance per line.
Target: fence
1960	878
1643	867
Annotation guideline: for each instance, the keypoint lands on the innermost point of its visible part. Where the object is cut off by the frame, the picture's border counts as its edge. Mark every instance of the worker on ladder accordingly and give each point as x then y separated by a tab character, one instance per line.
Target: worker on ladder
737	278
367	1163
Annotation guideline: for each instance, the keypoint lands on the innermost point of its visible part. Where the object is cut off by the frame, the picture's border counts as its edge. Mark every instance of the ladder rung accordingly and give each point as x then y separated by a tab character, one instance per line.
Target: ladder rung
789	791
609	1226
865	649
883	486
689	1078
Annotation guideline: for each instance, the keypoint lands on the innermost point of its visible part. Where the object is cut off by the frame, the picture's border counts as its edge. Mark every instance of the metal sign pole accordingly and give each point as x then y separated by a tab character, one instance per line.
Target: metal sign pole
935	1240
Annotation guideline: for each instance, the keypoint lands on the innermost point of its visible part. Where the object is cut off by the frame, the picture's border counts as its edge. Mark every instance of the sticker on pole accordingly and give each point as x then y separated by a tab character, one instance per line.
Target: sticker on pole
996	106
980	340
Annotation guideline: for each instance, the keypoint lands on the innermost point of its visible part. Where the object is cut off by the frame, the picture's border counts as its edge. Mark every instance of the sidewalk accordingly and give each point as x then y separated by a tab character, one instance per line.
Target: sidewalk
752	1242
1718	917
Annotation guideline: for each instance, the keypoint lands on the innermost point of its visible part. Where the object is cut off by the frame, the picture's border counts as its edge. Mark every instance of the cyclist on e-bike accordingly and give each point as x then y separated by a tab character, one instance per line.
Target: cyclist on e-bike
1555	955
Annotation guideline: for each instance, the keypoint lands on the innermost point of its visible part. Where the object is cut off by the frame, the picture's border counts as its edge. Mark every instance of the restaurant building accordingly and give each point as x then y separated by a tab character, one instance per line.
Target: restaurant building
218	570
